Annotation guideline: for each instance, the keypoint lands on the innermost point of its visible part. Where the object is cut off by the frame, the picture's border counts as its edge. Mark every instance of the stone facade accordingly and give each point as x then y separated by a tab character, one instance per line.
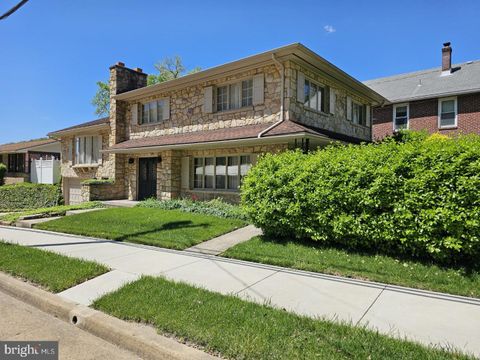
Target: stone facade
336	122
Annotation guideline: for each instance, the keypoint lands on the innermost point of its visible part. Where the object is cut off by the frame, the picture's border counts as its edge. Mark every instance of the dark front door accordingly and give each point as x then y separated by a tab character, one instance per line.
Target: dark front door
147	178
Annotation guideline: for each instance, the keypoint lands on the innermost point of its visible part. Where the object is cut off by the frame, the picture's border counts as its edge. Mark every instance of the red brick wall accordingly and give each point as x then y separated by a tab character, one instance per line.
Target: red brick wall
424	115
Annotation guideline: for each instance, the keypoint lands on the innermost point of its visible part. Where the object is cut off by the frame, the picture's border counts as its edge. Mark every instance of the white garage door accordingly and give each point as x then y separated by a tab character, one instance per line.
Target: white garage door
73	191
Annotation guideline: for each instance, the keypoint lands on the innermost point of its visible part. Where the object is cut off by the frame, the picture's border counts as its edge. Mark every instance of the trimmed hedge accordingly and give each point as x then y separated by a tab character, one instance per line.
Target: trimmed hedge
215	207
3	170
29	196
418	196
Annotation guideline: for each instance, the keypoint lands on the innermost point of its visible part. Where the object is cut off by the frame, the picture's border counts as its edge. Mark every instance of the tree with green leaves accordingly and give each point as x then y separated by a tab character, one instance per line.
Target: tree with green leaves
168	69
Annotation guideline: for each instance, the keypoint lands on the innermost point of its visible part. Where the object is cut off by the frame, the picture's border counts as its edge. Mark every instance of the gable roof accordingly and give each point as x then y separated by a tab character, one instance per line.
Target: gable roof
296	52
24	145
247	132
87	124
463	79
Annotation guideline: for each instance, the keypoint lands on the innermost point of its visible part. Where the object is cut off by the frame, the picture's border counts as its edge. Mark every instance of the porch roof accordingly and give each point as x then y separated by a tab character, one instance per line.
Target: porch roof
248	132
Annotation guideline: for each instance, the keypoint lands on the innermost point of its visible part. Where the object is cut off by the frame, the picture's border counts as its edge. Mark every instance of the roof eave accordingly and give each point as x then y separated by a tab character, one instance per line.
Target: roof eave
435	96
79	130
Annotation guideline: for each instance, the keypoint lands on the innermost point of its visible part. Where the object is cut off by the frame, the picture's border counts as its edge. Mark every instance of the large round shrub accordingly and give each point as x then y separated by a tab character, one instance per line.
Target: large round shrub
419	196
3	171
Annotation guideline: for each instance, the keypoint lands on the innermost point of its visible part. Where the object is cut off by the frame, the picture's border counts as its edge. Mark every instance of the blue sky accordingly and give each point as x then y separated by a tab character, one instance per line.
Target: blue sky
53	51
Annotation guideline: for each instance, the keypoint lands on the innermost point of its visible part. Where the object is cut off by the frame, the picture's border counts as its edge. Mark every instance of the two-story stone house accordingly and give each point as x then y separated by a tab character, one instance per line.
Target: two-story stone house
197	136
444	99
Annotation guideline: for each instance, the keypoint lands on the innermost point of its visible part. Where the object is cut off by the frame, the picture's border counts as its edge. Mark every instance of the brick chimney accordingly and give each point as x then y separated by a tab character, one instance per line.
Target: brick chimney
446	57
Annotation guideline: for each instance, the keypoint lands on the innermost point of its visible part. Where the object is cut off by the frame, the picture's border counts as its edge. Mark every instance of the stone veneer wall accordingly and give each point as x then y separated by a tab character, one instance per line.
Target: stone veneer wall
333	122
169	171
186	107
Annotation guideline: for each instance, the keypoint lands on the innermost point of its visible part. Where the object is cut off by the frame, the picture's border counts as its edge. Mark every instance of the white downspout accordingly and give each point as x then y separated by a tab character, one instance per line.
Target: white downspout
282	100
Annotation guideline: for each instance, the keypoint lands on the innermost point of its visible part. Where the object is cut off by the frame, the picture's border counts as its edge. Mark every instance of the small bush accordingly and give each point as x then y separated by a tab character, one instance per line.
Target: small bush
3	170
215	207
29	196
417	197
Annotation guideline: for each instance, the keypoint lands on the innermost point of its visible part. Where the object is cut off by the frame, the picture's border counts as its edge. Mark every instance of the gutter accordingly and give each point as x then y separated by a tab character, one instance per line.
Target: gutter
282	100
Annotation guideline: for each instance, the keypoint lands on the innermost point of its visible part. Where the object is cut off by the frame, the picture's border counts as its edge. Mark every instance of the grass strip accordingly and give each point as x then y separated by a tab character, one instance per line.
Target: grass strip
49	270
239	329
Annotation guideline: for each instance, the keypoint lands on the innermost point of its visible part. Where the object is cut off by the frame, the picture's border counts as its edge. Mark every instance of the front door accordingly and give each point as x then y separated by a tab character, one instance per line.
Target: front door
147	178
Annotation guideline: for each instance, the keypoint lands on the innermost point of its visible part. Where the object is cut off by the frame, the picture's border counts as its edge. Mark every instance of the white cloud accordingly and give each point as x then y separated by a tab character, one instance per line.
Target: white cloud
329	29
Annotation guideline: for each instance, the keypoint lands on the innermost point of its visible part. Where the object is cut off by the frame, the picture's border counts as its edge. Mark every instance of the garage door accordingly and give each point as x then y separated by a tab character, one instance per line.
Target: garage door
73	191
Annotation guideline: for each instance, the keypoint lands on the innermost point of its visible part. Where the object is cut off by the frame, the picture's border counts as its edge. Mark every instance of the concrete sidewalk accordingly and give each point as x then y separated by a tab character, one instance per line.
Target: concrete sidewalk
428	317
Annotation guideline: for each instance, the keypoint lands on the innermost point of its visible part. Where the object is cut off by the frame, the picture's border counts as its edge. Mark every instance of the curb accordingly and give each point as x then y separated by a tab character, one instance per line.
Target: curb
141	340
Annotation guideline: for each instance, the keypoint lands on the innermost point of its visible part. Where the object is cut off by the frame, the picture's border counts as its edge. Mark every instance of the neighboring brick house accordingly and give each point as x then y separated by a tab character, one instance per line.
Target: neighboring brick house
444	99
196	136
18	157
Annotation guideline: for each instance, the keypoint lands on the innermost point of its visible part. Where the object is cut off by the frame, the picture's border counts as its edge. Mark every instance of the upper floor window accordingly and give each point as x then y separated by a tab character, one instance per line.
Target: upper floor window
221	172
153	112
447	112
235	96
314	96
16	163
87	149
400	116
359	114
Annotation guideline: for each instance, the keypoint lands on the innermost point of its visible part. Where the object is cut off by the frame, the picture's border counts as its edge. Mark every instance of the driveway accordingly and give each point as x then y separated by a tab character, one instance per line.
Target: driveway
427	317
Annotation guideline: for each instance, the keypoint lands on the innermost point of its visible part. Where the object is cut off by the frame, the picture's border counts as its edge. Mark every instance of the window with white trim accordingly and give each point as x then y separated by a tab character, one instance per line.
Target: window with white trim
152	112
87	150
400	116
221	172
314	96
447	112
235	96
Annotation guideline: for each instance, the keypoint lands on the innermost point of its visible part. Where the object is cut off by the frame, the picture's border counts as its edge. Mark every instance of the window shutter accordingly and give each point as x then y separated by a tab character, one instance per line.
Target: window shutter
135	114
185	181
300	87
258	89
333	100
166	109
208	100
349	108
367	115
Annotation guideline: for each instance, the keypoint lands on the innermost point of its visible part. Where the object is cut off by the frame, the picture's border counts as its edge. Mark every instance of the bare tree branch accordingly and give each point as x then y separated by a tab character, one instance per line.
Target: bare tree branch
13	9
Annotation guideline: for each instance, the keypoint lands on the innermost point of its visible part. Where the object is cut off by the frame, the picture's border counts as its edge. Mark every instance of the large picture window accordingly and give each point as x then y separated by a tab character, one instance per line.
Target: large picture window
235	96
221	172
87	150
314	96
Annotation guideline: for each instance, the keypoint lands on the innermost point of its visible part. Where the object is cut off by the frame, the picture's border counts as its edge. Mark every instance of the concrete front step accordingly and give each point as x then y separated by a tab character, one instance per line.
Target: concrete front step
120	203
76	212
30	223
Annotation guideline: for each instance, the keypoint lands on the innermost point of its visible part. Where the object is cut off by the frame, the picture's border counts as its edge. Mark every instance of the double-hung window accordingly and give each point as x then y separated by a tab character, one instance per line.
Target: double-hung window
314	96
153	112
87	150
358	114
447	112
221	172
235	96
400	116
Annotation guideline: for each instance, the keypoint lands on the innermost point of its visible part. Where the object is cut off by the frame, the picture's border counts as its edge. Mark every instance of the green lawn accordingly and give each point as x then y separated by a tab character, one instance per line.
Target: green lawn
165	228
312	257
239	329
51	211
52	271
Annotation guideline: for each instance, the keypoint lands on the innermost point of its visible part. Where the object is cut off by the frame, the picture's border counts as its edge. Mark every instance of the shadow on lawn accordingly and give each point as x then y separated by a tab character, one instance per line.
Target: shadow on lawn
469	270
173	225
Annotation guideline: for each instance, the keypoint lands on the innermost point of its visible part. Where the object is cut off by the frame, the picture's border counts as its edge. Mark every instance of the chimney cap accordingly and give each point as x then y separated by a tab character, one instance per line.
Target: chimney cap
446	44
138	69
119	63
